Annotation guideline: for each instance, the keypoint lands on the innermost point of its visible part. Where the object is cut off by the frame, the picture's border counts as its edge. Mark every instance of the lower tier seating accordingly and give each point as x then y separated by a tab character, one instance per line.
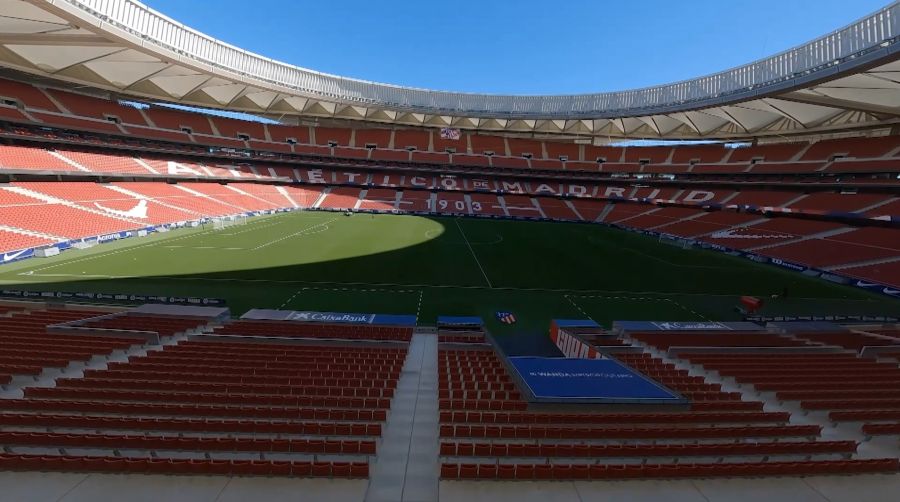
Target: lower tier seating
488	432
209	406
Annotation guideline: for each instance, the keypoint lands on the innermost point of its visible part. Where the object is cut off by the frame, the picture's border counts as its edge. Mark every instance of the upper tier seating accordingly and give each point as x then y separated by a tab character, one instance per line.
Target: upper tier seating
520	147
770	153
231	128
482	144
852	147
329	135
700	153
87	106
20	157
653	154
556	150
166	118
28	95
90	113
411	138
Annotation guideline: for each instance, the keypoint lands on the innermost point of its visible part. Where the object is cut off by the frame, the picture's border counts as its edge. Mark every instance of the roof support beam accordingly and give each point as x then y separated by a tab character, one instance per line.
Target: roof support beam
85	40
809	99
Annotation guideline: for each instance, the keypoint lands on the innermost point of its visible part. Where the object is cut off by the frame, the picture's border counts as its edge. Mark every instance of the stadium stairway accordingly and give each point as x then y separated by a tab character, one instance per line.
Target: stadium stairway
406	466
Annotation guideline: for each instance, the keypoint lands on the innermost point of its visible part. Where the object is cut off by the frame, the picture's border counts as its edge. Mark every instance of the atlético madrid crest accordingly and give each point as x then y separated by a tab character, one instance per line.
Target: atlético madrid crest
506	317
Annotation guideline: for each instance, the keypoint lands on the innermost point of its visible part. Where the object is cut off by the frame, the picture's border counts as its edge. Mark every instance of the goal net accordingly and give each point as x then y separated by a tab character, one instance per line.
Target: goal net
229	221
676	241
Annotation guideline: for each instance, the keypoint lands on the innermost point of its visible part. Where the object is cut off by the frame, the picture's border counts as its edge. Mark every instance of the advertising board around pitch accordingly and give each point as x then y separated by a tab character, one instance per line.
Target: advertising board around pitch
589	380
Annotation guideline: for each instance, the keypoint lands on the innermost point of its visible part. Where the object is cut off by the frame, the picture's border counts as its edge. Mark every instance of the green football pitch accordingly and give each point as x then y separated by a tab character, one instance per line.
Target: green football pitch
440	266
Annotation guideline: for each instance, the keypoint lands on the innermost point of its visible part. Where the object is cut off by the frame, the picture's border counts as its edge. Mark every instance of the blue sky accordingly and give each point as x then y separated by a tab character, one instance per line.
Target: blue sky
517	46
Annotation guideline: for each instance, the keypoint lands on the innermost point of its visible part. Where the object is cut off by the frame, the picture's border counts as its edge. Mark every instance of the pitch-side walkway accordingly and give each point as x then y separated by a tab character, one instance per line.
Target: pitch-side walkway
405	468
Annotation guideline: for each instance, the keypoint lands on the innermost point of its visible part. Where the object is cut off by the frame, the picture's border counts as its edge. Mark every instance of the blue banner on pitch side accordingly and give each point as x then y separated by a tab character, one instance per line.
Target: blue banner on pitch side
447	320
576	323
588	379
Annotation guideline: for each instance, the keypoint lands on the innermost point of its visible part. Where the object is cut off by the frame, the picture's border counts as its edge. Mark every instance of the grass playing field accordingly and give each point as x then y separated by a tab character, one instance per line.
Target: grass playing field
433	266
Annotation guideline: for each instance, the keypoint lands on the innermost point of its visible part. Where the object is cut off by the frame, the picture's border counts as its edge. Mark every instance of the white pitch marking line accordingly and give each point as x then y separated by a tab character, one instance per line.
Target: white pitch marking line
419	306
121	250
577	306
436	286
325	223
473	253
289	300
692	311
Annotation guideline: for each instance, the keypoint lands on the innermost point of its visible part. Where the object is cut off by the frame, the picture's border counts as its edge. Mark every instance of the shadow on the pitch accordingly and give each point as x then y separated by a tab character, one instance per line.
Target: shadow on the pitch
436	269
454	267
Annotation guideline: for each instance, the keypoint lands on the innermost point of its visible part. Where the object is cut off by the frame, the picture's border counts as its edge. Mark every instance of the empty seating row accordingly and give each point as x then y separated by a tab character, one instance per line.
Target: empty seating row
328	427
196	466
680	470
182	442
593	451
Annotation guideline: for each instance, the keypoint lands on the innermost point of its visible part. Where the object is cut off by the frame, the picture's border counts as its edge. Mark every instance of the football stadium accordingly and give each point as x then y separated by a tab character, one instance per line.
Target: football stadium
225	277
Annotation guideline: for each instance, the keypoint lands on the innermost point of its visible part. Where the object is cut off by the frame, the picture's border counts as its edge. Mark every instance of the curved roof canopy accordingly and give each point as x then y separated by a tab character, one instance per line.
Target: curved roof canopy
846	79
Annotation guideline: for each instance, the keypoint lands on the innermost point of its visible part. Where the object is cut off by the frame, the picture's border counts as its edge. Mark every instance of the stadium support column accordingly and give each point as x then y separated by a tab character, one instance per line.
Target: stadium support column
406	466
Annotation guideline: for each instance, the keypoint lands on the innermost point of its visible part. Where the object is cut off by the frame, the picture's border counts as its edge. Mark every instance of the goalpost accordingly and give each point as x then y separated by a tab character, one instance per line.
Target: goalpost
229	221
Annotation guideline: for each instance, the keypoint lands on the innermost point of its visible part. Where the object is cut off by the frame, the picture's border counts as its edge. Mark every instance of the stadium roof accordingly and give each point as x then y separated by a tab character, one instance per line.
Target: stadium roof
847	79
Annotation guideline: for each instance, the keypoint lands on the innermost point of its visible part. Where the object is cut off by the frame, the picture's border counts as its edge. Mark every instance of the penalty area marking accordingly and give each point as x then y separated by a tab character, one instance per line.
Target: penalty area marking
289	300
301	232
633	298
356	290
577	306
692	311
